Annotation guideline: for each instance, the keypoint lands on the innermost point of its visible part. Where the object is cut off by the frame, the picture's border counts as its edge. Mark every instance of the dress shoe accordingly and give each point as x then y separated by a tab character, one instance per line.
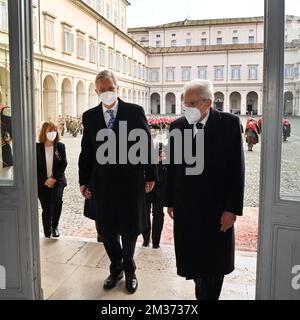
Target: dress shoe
146	243
156	246
55	233
131	283
47	234
111	281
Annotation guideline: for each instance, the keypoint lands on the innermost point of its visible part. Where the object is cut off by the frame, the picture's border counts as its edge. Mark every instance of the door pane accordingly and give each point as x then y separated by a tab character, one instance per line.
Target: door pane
290	164
6	152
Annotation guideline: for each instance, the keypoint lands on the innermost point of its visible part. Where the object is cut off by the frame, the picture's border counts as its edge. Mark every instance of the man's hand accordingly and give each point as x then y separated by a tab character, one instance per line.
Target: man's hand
149	186
86	193
171	213
227	221
50	183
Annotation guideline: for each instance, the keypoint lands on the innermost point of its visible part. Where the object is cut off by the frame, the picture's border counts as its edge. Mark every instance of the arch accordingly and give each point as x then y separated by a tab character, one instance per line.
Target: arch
129	96
139	102
124	94
93	99
49	99
219	101
134	97
288	103
80	98
155	103
235	102
66	98
143	102
252	103
182	102
170	103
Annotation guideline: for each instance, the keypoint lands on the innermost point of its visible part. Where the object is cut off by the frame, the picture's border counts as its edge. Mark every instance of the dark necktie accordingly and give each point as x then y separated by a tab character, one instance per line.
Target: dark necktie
199	125
111	120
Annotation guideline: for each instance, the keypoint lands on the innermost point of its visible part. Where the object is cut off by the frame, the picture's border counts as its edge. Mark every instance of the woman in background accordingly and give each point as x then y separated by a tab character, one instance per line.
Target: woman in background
51	166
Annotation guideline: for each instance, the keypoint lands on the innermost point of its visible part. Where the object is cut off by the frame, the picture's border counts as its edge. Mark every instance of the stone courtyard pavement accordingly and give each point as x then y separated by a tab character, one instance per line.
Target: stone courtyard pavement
73	223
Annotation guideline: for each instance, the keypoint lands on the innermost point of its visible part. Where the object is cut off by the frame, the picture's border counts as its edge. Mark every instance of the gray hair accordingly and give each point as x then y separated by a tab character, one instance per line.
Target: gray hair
106	74
204	87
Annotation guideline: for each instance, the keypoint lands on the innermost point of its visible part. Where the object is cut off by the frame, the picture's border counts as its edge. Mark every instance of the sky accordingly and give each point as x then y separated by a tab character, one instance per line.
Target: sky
153	12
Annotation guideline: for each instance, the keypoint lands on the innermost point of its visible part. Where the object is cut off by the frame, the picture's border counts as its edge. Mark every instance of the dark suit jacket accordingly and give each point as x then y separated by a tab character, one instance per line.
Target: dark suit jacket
118	190
59	164
199	200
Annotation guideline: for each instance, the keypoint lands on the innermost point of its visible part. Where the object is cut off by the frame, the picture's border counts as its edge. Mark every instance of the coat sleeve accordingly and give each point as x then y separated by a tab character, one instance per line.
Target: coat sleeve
59	172
234	194
85	162
169	194
150	168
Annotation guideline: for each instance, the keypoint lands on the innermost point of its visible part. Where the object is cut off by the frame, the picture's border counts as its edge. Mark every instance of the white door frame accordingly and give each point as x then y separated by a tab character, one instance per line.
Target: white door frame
19	236
279	220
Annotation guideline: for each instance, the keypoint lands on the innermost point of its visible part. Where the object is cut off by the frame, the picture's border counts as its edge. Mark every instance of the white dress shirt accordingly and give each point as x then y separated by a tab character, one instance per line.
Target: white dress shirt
203	121
106	114
49	160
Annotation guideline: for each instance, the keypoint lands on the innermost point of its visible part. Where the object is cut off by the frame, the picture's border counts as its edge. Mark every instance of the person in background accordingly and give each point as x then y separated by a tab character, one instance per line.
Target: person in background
156	199
51	166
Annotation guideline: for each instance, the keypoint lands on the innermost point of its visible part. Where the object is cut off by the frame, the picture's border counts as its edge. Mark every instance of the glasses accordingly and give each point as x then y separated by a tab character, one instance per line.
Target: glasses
193	104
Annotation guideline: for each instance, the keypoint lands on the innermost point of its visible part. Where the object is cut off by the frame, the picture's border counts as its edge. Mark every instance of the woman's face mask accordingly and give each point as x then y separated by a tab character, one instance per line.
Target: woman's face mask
108	97
192	114
51	135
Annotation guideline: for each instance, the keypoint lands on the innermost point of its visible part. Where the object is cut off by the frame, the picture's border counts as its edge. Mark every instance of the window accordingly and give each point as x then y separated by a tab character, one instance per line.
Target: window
158	36
219	32
99	6
173	34
34	25
135	69
235	31
173	43
130	67
102	55
252	73
235	73
188	34
235	40
123	17
219	73
93	52
125	64
116	22
202	73
158	44
251	39
144	73
170	74
203	42
219	40
188	42
140	71
289	71
81	48
68	42
108	10
154	74
203	33
118	62
111	58
3	16
186	73
49	31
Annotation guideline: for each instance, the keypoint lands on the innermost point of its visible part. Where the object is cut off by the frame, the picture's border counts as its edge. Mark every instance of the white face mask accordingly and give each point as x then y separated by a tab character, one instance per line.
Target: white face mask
51	135
192	115
108	97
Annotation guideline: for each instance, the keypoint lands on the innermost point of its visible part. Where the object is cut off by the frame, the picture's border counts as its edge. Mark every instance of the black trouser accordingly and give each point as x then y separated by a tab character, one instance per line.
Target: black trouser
51	202
121	257
209	287
157	221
